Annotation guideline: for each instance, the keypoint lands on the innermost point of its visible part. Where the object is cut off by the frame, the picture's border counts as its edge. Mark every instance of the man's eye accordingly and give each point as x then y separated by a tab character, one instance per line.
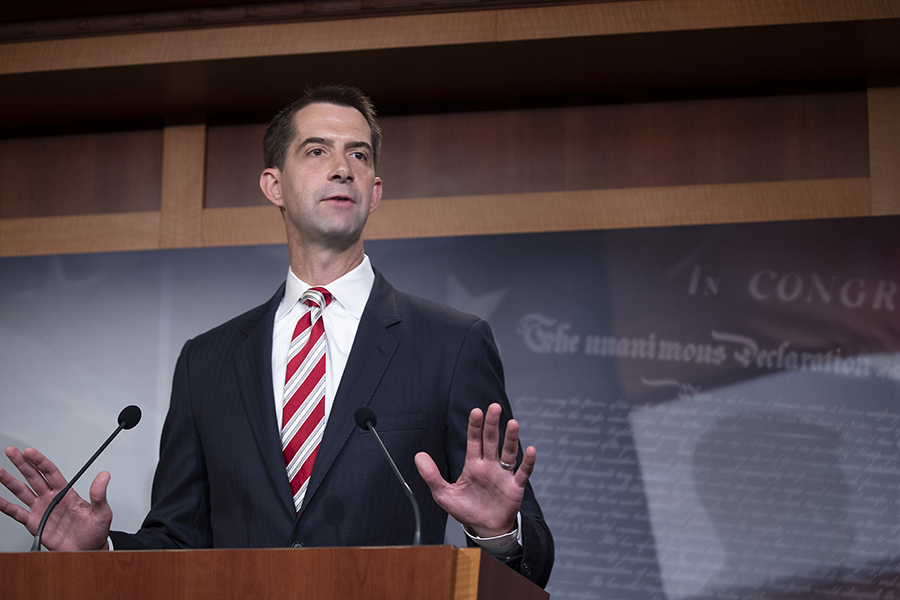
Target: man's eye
316	152
360	156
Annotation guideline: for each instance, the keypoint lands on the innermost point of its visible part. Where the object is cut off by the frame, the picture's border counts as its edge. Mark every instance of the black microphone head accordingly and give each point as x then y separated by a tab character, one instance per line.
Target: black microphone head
365	415
129	417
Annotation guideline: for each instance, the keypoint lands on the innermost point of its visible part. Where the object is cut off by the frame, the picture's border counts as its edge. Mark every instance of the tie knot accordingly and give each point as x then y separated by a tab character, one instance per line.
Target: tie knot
316	296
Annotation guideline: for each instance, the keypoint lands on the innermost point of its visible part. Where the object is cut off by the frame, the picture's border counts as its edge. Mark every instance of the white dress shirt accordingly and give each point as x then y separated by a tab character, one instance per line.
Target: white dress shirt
349	294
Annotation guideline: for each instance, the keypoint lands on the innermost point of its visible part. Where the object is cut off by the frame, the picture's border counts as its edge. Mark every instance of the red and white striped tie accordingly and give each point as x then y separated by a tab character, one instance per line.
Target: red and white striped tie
303	415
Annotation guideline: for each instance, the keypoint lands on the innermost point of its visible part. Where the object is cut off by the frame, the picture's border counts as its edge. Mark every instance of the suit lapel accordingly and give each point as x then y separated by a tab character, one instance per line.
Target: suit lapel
253	366
370	355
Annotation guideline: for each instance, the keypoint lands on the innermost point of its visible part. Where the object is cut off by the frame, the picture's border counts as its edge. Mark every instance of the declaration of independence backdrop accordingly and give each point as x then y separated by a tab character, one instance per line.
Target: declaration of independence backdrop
715	407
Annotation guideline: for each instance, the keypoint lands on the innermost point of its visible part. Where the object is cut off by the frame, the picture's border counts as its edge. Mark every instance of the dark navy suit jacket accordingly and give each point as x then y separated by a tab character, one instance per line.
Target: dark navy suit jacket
221	479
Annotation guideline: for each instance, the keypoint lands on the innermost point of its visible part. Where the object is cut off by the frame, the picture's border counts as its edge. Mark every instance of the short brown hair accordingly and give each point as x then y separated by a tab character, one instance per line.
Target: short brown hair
281	131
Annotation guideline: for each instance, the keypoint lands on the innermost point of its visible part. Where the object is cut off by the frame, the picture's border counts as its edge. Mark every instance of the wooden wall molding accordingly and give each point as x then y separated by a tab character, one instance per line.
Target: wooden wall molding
243	226
462	215
79	234
622	208
248	41
28	22
568	211
616	18
377	33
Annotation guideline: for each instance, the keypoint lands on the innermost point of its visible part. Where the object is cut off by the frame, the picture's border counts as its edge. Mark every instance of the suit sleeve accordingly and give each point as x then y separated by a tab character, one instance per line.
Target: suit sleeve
180	496
478	382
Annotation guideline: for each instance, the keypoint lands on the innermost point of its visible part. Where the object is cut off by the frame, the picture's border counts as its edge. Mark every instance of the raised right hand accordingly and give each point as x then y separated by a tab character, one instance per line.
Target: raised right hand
74	524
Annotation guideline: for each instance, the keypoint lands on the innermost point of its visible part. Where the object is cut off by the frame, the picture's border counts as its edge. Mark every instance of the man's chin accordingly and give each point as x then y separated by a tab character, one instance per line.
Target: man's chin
340	238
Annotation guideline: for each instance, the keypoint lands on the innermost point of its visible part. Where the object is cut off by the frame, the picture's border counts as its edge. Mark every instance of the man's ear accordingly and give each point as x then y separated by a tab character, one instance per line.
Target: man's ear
376	195
270	184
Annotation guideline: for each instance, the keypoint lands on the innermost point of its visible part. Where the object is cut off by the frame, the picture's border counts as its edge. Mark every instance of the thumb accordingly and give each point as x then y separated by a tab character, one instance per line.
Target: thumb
98	494
430	473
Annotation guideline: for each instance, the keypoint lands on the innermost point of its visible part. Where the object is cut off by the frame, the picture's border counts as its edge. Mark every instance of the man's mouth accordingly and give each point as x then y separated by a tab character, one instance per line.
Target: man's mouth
340	199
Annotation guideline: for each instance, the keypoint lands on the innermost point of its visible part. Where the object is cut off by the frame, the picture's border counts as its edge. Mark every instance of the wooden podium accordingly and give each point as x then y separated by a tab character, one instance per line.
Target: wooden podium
395	573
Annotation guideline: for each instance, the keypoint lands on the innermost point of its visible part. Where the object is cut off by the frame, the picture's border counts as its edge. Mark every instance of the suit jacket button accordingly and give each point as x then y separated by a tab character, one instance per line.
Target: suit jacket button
296	544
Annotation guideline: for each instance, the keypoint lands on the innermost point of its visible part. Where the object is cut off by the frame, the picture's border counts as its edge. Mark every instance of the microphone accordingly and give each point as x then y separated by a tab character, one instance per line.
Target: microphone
128	418
366	419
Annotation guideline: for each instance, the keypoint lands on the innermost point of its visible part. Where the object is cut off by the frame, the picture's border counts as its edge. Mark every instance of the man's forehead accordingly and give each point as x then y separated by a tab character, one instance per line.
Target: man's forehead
319	119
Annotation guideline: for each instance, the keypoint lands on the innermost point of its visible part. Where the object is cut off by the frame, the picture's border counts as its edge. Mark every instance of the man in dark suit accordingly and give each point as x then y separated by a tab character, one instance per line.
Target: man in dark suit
247	460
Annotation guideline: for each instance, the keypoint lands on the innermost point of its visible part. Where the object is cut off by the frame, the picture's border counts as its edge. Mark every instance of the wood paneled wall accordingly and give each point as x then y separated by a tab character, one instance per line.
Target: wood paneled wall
761	151
788	137
79	174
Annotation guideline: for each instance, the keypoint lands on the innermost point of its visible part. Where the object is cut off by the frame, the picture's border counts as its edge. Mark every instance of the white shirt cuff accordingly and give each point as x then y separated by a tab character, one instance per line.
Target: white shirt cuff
501	545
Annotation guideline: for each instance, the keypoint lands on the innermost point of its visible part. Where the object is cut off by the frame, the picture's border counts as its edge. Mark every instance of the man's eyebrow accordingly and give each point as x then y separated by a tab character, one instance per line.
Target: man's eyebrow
365	145
329	142
315	140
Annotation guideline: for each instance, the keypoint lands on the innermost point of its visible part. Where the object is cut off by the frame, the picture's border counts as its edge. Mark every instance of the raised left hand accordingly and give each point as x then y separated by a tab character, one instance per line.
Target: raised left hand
487	496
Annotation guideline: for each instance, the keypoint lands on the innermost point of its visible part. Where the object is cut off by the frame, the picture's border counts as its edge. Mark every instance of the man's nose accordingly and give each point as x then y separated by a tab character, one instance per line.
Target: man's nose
340	169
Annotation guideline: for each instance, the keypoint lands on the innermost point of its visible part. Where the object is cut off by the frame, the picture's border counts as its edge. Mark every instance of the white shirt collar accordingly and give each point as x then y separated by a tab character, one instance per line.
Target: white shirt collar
351	290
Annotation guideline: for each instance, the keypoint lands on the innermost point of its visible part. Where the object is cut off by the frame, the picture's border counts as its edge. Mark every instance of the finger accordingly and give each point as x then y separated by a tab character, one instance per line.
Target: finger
15	511
492	432
527	467
19	489
48	470
28	470
474	441
430	474
510	443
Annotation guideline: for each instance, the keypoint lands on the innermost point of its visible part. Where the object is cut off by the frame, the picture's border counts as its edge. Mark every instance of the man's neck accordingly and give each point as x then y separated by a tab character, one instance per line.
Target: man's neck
318	266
